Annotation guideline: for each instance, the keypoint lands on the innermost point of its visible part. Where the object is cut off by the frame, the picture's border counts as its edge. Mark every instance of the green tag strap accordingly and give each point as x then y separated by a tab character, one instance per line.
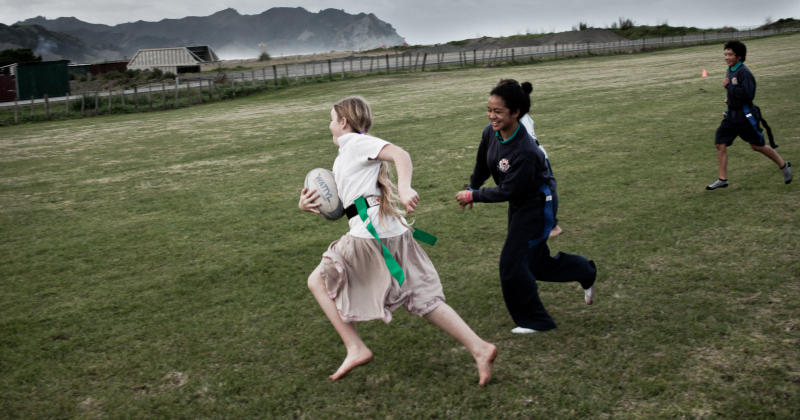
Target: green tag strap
394	268
424	237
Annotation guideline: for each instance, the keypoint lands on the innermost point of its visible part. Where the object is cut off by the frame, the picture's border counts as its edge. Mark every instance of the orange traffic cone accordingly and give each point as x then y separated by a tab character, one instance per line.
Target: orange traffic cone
705	73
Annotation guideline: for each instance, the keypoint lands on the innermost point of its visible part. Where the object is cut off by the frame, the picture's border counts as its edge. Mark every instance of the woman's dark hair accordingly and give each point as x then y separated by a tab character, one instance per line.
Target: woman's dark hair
514	95
527	87
738	48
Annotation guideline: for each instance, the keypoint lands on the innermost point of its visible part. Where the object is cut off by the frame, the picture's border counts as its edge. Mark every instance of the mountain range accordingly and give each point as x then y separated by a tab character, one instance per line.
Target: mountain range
278	31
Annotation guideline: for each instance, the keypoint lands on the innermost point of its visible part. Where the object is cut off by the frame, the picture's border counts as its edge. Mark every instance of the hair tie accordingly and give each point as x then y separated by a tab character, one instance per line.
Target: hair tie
362	131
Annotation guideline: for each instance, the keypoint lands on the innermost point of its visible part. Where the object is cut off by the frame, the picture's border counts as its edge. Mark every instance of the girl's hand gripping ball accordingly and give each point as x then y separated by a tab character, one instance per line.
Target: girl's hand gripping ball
320	195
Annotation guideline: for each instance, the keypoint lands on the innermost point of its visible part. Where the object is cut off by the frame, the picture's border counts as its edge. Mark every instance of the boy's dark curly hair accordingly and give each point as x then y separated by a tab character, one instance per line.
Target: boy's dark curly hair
738	48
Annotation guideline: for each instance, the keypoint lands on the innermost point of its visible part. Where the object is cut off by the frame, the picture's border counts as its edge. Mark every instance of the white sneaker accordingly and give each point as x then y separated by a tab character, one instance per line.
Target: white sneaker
588	295
522	330
720	183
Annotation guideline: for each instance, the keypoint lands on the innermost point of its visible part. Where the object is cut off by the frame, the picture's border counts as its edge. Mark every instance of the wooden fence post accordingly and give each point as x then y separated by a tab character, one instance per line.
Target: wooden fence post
66	110
177	90
275	75
387	63
31	107
330	70
83	104
163	95
424	59
96	103
46	107
136	98
16	109
110	98
150	97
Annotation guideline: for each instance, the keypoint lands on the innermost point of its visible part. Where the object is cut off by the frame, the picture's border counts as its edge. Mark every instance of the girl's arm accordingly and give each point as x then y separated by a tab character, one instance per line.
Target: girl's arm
479	174
404	167
481	171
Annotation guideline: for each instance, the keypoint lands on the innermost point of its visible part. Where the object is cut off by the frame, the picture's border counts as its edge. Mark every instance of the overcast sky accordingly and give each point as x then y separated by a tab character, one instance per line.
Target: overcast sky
436	21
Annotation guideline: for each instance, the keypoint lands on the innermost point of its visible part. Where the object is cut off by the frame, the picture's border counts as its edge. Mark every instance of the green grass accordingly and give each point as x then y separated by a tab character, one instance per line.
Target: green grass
155	264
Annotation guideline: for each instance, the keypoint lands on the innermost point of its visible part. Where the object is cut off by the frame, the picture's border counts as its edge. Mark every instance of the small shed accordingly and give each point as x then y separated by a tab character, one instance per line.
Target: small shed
79	69
8	88
175	60
109	66
37	79
83	70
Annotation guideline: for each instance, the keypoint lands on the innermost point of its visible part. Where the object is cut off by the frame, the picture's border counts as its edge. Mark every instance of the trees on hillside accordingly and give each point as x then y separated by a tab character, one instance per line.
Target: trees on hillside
18	55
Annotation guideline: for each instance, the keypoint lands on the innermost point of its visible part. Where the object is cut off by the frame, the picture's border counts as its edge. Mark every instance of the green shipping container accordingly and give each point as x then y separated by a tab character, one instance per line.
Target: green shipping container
34	80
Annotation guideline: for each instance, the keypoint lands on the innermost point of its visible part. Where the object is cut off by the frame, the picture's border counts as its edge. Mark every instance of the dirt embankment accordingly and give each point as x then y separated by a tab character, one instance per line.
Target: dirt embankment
484	43
571	37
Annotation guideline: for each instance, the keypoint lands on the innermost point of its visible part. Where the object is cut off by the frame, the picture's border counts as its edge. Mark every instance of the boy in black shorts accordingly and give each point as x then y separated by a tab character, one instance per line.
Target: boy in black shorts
742	117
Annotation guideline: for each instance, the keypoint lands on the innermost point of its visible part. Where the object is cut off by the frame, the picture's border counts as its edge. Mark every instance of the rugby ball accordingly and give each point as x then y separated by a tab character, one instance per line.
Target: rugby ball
322	180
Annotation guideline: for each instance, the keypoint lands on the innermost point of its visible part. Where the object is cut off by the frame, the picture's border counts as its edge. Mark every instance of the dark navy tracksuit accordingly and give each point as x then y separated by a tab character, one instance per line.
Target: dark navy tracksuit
741	90
519	170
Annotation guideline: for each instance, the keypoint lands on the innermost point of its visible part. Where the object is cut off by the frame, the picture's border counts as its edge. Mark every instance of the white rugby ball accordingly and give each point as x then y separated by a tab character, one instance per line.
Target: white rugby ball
322	180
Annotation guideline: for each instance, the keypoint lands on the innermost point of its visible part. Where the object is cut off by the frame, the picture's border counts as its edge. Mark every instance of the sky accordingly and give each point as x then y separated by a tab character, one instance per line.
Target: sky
436	21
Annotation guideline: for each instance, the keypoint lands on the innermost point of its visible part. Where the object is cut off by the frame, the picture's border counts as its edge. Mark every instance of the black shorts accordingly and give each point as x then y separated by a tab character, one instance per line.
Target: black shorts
728	131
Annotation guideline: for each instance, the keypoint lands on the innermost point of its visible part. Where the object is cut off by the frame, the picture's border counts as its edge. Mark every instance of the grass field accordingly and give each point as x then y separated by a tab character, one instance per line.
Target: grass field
155	265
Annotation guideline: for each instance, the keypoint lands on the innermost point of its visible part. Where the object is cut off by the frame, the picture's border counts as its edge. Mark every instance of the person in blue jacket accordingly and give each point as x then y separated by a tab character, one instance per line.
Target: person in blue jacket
527	122
522	178
742	117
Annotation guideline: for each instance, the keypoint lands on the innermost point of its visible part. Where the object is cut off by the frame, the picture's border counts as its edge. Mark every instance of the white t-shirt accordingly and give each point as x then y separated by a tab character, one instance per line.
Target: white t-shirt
527	122
356	171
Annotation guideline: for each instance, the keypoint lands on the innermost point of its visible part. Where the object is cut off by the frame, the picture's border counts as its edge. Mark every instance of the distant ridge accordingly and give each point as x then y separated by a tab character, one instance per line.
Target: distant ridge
279	31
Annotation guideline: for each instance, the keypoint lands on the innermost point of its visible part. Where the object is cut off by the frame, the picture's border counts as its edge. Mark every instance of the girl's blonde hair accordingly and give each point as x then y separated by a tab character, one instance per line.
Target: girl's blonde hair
356	111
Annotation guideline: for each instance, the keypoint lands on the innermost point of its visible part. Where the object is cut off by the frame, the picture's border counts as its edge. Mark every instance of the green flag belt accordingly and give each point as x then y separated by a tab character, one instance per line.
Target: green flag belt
394	267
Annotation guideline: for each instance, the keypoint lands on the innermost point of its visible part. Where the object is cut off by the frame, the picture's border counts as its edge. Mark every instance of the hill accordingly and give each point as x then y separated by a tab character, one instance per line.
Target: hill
50	45
278	30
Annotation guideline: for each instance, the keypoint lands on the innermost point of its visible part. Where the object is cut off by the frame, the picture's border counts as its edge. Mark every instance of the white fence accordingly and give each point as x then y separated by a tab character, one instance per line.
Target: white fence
206	86
416	61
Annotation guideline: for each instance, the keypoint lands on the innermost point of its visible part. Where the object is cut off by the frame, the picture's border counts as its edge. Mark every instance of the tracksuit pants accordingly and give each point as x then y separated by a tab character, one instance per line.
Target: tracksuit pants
522	265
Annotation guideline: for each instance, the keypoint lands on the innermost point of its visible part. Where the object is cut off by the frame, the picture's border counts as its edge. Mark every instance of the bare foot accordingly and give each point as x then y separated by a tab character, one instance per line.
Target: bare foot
353	360
485	360
556	231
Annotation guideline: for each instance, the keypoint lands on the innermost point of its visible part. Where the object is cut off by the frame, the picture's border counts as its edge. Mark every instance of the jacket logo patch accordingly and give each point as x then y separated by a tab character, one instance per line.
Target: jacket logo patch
503	165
